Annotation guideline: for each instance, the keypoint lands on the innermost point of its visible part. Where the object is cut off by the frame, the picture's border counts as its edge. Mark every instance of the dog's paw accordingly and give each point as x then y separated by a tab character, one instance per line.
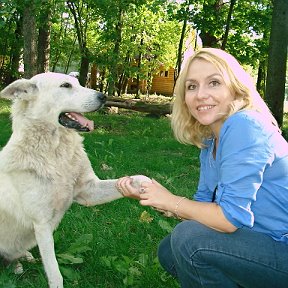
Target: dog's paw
29	257
18	268
139	179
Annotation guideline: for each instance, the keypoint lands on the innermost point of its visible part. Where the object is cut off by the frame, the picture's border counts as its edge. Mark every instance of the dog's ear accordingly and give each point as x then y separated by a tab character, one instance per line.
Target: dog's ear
22	88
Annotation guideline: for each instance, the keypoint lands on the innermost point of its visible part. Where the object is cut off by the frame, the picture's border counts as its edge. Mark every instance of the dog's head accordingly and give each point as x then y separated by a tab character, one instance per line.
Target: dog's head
55	98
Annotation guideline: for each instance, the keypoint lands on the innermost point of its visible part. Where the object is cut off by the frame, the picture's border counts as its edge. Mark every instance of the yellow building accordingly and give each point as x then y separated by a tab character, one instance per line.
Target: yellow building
162	83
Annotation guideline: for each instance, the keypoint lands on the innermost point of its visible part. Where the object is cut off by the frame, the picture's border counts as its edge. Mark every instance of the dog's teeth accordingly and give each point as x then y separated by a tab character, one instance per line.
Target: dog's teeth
71	117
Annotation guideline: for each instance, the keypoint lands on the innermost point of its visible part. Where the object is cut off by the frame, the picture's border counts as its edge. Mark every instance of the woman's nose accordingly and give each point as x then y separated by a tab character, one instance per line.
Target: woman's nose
202	92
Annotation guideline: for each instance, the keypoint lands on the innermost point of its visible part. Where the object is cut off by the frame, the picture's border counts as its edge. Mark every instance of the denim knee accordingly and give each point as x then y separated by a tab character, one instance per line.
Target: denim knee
165	256
184	233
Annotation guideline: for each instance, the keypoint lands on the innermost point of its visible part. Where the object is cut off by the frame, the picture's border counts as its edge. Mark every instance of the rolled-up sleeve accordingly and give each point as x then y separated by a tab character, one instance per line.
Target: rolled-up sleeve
243	155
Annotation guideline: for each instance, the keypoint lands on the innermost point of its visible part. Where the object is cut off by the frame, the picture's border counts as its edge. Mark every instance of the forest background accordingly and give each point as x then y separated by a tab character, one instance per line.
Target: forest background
128	39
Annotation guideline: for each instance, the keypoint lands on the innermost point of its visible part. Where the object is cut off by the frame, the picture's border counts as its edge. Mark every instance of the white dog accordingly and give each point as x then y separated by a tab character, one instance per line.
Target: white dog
44	168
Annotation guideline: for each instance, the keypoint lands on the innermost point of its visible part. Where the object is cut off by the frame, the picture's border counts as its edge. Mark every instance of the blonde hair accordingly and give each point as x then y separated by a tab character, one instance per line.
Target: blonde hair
186	128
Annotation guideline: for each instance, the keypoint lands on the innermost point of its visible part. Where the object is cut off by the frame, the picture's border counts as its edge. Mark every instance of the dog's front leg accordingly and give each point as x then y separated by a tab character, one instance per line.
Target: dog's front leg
45	241
95	191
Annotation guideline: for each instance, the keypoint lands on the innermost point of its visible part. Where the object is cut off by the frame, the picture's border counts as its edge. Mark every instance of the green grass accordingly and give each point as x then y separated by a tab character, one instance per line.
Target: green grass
119	246
125	235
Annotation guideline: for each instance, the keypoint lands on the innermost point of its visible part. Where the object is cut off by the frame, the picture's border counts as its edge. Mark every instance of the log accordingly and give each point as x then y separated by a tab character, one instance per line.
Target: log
158	109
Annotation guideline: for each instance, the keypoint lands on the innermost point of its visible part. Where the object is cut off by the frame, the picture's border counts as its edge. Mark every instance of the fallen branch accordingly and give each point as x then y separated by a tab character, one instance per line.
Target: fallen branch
140	106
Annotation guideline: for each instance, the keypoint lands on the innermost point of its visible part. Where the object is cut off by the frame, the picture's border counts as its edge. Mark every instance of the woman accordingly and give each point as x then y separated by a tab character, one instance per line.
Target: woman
236	228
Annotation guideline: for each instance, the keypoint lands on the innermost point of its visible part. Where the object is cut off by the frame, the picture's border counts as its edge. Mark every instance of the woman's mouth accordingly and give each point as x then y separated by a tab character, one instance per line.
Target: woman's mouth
205	107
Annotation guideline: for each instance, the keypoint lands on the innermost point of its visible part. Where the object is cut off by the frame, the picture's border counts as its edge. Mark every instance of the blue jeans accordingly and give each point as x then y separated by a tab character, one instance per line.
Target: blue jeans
202	257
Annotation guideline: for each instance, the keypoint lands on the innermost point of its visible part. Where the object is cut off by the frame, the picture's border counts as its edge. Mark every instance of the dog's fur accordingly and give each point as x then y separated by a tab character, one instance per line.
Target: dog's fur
44	168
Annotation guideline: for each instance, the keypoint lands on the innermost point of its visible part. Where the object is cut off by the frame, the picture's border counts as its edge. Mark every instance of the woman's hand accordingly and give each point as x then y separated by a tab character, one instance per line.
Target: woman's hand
155	195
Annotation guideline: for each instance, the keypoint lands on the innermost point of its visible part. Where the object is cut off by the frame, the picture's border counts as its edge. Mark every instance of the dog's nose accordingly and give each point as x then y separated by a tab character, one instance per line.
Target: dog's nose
102	97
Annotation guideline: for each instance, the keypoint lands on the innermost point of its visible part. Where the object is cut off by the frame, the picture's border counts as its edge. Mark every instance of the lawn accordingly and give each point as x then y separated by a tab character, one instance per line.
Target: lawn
115	244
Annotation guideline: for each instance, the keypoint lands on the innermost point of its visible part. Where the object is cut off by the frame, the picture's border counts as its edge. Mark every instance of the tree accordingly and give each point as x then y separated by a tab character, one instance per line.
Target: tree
43	53
80	11
276	74
11	44
127	39
30	40
116	50
183	14
210	21
228	21
64	53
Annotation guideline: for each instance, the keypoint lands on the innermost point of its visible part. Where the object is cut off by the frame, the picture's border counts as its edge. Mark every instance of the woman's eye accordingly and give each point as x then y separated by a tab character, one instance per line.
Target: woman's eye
191	87
214	83
66	85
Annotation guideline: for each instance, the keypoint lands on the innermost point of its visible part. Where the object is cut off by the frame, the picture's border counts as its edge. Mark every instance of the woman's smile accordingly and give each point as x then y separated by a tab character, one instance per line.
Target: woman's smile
201	108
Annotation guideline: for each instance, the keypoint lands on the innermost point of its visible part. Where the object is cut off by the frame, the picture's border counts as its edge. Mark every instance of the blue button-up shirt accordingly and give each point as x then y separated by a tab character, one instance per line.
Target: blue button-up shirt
251	174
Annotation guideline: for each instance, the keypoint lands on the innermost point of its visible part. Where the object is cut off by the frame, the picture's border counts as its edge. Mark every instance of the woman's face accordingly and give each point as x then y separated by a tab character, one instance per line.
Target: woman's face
206	94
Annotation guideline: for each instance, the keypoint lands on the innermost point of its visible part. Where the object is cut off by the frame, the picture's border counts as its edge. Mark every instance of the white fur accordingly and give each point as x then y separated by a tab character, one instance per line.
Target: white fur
44	167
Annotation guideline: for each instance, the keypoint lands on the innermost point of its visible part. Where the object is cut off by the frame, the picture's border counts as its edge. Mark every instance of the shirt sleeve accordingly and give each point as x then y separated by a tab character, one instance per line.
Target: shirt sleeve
244	154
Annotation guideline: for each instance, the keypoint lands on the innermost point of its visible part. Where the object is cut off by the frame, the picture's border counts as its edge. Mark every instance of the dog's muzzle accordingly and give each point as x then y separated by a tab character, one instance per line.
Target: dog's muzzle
77	121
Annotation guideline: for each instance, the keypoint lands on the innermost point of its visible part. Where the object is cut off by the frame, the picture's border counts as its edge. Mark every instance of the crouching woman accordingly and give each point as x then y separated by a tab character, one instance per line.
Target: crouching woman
235	230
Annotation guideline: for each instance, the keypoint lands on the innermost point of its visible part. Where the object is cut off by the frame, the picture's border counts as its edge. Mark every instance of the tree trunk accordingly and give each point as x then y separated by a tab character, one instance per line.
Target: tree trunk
84	66
44	37
261	80
276	73
138	92
30	41
207	37
81	31
180	46
113	69
228	21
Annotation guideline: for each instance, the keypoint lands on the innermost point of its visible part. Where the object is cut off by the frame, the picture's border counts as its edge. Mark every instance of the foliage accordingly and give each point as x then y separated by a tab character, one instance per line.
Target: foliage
285	126
249	28
139	28
72	255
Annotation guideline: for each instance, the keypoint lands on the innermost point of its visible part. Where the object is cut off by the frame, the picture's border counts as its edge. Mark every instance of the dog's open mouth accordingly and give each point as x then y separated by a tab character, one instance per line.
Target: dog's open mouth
76	121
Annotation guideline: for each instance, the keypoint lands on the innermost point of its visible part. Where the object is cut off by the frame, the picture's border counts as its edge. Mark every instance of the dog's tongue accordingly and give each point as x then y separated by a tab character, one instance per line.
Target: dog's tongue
82	120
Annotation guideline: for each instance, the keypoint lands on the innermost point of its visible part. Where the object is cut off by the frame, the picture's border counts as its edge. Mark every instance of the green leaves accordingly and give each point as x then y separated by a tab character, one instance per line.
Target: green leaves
73	256
165	226
130	269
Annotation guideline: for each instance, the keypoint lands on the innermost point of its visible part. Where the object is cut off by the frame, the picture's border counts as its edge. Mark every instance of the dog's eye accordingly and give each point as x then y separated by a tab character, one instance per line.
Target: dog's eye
66	85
